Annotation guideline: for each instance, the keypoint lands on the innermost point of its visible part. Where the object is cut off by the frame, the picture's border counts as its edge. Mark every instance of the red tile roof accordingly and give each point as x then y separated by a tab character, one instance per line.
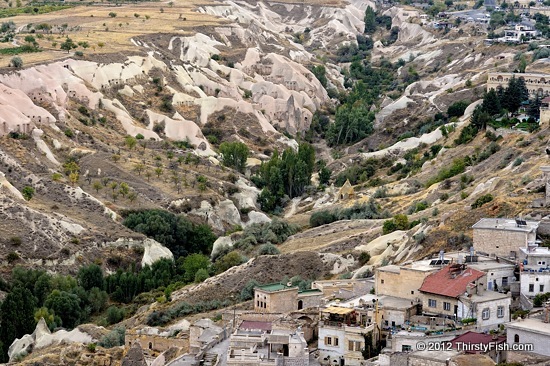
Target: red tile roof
475	338
450	281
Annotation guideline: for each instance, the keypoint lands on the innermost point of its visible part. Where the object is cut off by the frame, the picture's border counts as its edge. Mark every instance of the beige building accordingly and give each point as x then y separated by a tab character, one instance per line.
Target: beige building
402	281
153	340
346	191
537	84
281	298
545	112
344	289
502	237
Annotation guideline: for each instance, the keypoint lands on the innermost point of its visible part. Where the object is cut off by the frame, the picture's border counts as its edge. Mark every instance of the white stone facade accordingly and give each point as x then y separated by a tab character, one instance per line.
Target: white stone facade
533	283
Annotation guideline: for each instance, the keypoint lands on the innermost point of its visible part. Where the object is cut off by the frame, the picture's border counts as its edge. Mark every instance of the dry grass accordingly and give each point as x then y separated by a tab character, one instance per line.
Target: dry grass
106	34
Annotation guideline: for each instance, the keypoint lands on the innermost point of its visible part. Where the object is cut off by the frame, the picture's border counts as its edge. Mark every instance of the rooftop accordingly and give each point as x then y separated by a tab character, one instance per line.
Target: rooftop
383	302
255	325
534	325
487	296
505	224
431	355
450	281
477	338
274	287
534	250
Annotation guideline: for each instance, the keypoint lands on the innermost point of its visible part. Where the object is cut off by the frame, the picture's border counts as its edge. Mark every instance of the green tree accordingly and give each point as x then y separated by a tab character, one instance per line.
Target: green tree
534	108
48	315
68	45
201	275
234	155
124	189
370	20
27	192
324	175
114	315
351	124
130	141
16	316
192	264
90	276
66	305
321	74
97	299
247	293
229	260
491	103
97	186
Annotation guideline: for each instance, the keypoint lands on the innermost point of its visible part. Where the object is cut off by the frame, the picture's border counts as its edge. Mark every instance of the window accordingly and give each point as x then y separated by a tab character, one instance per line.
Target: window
541	288
531	287
516	338
382	281
412	292
500	312
447	306
432	303
504	281
354	346
328	341
486	314
406	348
335	341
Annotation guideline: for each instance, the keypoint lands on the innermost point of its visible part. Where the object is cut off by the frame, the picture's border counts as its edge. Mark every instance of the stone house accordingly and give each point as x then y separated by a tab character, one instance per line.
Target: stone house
152	340
203	334
344	289
346	191
281	298
342	335
440	291
534	270
537	84
502	237
531	331
402	281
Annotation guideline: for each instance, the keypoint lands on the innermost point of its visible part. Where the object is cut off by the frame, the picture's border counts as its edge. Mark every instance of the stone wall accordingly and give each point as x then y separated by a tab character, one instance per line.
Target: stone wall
404	284
540	341
283	301
535	83
156	342
536	279
499	242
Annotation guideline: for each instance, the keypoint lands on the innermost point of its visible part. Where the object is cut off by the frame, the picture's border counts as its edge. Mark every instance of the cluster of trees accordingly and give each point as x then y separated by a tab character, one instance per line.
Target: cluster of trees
234	155
287	174
374	20
498	103
265	235
175	232
63	301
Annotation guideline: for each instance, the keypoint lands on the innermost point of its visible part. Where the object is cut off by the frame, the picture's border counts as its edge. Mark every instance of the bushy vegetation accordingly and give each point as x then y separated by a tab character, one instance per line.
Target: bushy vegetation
458	166
175	232
482	200
234	155
368	210
287	174
162	317
267	233
495	108
398	222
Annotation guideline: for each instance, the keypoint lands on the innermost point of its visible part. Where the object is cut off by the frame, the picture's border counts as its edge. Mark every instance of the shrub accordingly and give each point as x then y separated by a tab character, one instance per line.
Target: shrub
16	62
369	210
15	240
114	338
482	200
398	222
458	166
268	249
201	275
457	108
114	315
247	293
12	257
27	192
364	258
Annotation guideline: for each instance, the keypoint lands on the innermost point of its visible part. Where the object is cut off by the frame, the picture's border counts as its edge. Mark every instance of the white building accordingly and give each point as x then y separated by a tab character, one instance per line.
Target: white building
535	331
490	309
520	33
342	335
535	270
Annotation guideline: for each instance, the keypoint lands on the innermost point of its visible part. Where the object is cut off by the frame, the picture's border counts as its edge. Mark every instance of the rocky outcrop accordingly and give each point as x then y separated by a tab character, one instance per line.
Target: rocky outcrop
154	251
42	337
134	357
